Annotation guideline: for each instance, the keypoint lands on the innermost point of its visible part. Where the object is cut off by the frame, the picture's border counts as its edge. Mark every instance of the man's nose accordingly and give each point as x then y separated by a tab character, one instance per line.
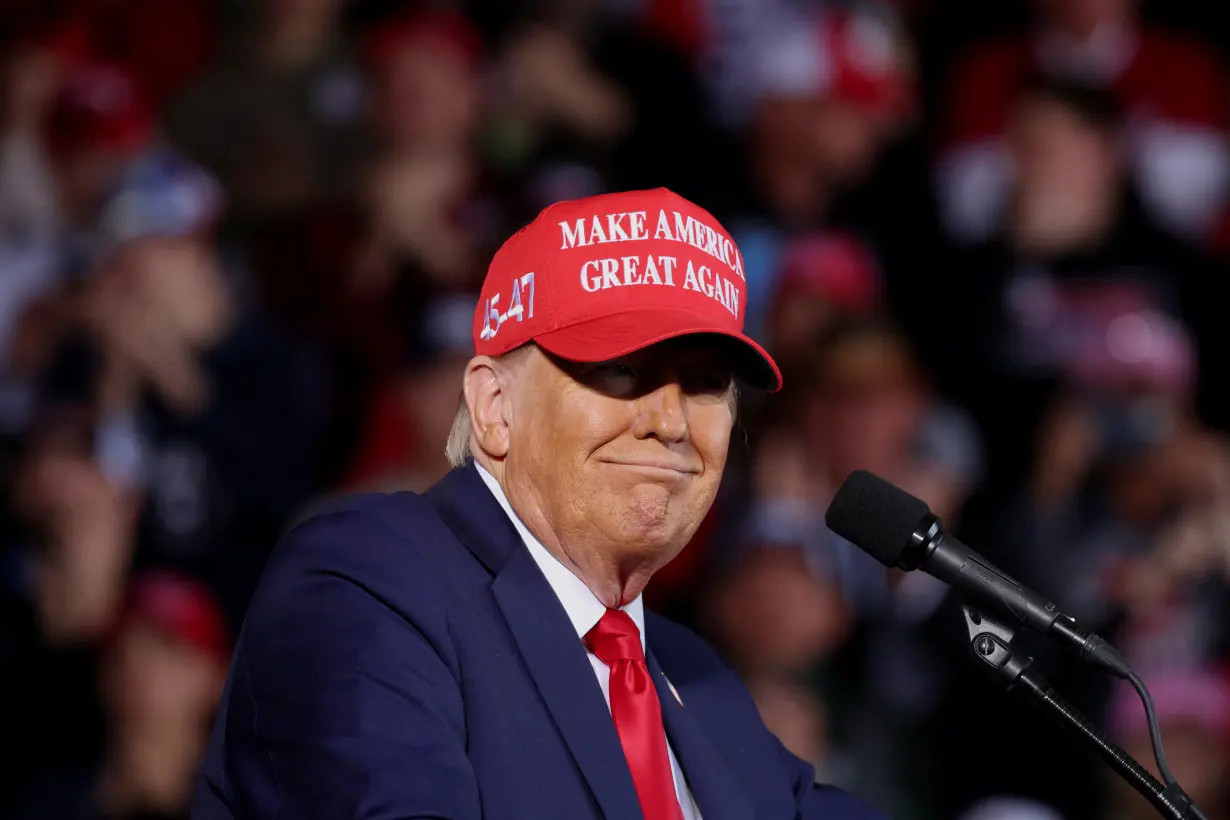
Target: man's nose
661	414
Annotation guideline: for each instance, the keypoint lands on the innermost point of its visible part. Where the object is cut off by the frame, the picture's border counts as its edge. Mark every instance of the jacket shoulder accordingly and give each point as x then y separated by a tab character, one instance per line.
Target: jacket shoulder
399	512
388	546
363	524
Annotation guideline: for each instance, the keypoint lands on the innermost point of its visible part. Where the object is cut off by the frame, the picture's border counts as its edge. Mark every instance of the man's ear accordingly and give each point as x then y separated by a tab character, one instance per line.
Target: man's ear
488	403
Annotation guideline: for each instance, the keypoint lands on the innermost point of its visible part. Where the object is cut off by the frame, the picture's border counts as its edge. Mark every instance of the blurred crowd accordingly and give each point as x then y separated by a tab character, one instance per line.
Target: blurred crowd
240	244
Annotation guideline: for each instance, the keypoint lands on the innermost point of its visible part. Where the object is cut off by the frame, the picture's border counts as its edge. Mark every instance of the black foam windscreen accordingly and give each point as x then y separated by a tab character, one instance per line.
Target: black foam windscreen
878	517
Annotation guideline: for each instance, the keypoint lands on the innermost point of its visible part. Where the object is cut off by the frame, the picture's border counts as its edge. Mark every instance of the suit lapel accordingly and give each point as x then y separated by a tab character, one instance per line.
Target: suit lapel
561	669
556	659
710	779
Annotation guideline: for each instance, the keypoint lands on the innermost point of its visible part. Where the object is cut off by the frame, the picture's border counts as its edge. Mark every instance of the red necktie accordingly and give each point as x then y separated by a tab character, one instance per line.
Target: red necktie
637	713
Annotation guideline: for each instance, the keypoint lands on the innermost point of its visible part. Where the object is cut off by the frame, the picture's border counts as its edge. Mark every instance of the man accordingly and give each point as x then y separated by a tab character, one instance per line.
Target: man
163	664
481	650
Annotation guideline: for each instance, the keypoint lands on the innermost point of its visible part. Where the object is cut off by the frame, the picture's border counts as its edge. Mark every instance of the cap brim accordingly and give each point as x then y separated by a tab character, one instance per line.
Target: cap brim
609	337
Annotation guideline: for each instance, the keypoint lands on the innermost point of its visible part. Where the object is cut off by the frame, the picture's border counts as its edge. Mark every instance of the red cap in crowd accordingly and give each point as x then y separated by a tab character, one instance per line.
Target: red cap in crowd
834	267
98	108
442	28
864	62
855	57
181	608
596	278
67	39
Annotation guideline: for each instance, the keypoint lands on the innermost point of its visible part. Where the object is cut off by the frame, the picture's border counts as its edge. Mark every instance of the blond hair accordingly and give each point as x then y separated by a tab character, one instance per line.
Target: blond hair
457	448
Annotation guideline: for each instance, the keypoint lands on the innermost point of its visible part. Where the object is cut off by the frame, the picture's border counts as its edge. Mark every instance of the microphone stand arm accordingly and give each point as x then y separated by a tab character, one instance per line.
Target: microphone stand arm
991	642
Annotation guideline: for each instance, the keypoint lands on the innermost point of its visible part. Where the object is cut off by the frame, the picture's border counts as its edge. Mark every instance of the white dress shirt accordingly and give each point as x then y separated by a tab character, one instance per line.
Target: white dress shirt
585	610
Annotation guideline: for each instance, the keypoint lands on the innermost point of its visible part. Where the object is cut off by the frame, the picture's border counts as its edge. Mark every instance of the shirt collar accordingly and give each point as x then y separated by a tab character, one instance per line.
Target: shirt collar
583	607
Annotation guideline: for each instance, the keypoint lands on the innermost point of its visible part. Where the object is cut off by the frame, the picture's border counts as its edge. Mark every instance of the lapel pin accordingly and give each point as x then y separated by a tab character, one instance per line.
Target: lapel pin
674	691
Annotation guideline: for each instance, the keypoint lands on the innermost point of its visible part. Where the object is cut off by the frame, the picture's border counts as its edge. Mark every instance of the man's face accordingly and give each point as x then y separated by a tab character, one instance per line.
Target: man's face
85	178
153	677
625	455
428	97
867	410
1060	158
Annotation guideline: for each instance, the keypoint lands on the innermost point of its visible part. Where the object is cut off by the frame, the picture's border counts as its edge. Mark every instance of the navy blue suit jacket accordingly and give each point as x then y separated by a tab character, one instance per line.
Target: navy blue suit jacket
404	657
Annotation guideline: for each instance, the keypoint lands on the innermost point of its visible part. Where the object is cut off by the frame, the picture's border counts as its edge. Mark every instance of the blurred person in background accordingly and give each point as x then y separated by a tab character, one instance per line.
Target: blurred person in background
33	69
825	278
111	179
1171	87
201	405
77	536
594	96
425	110
868	405
632	114
85	525
160	45
188	397
97	127
832	94
161	675
551	82
723	41
288	86
157	194
1193	710
80	140
798	719
411	225
777	616
87	66
414	411
74	497
1074	246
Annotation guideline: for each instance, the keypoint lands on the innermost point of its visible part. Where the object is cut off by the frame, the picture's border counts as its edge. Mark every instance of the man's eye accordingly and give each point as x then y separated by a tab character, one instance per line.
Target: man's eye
616	378
710	381
616	371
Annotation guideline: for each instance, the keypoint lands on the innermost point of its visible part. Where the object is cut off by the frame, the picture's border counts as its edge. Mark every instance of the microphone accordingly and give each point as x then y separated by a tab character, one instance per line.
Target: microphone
899	530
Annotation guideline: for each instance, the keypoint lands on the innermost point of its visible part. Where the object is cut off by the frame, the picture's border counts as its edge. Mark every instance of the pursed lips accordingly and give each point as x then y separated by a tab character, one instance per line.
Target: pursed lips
663	466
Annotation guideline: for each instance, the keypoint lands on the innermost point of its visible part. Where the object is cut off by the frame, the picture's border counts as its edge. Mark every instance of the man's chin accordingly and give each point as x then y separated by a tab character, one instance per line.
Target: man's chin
653	543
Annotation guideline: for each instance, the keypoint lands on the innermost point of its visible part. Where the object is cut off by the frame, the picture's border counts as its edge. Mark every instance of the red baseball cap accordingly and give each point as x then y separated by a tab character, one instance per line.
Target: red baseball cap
854	56
834	266
449	30
597	278
181	608
99	108
865	63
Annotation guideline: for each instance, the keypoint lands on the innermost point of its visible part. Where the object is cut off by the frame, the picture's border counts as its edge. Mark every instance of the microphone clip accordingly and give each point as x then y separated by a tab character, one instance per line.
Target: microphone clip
990	639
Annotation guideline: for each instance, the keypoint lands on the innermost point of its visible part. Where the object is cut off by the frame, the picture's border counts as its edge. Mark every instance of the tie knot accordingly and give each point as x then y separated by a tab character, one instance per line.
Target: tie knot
615	638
